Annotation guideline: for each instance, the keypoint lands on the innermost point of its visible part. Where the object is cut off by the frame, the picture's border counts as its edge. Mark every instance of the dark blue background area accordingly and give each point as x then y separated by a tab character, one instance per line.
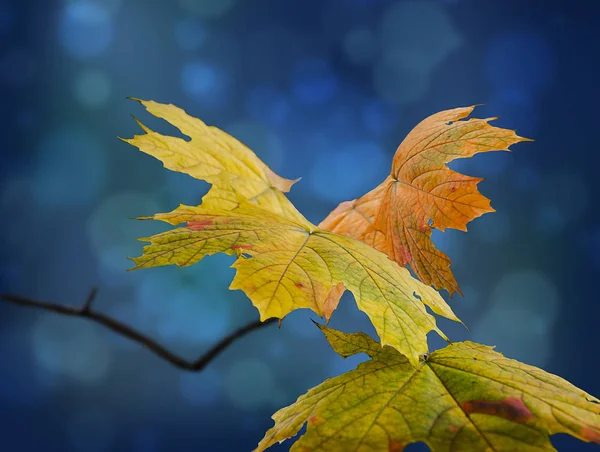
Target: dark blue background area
319	89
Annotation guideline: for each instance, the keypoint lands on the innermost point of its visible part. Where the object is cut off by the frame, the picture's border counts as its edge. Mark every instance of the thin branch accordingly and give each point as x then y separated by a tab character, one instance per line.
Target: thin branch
86	312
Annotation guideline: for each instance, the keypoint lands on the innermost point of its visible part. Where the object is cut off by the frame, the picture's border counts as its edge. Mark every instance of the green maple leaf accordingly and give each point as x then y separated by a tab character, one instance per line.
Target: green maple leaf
285	264
464	397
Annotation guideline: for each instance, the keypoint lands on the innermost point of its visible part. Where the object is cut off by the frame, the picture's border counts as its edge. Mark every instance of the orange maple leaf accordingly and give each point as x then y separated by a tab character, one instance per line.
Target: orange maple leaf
422	193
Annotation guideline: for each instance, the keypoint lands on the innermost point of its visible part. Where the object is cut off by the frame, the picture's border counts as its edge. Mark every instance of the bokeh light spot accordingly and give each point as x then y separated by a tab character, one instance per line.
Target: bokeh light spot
205	82
527	288
194	312
527	302
85	29
109	6
92	88
417	36
74	349
518	333
193	315
359	45
198	78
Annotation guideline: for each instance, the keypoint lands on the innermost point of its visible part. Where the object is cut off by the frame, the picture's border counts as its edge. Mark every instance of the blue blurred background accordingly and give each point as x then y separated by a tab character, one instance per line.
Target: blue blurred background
323	89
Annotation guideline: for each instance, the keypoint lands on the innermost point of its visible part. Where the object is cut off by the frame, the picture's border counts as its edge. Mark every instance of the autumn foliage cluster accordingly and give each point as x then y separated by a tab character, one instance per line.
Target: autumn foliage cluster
464	397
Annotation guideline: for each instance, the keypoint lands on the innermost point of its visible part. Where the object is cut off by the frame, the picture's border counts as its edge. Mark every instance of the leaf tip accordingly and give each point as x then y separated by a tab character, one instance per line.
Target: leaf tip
457	290
317	324
135	267
590	435
141	124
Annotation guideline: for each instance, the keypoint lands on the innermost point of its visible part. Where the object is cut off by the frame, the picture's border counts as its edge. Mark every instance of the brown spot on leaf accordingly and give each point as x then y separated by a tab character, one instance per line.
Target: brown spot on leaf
241	247
299	285
590	434
316	420
199	225
511	408
395	446
405	254
453	428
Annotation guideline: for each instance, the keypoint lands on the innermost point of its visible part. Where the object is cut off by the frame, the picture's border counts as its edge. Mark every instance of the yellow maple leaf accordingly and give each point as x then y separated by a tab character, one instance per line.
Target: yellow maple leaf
422	193
286	264
464	397
214	156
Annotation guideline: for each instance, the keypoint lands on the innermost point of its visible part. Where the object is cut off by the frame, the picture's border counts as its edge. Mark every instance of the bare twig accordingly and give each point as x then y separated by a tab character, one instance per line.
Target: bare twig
86	312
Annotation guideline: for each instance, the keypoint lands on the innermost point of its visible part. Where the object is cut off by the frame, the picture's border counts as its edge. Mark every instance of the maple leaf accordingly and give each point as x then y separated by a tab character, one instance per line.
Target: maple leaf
465	396
214	156
286	263
422	193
